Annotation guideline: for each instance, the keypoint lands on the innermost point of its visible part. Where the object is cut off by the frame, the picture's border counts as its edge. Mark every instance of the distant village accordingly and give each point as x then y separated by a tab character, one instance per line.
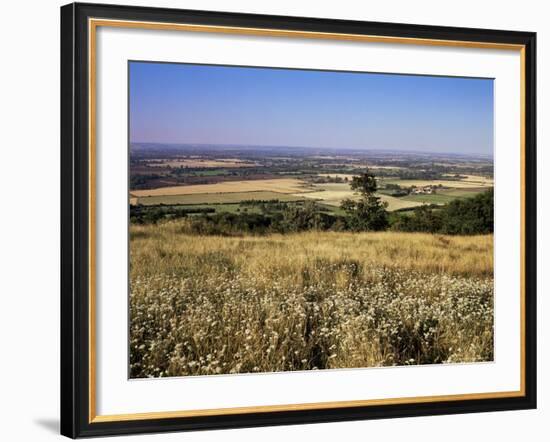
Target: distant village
423	190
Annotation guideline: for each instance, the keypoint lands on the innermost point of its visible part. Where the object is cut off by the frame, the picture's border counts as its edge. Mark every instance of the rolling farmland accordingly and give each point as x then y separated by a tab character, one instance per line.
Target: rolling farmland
295	189
287	177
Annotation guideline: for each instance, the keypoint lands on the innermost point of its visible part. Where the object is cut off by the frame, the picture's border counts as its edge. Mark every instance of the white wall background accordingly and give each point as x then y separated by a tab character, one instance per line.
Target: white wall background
29	219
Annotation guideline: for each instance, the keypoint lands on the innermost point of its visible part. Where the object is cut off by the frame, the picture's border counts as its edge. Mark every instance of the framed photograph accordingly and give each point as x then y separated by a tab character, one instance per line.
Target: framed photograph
274	220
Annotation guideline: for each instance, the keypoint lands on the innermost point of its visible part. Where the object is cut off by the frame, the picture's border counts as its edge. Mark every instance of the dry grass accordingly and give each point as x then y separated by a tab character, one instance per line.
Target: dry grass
330	193
330	197
316	300
395	203
456	255
281	185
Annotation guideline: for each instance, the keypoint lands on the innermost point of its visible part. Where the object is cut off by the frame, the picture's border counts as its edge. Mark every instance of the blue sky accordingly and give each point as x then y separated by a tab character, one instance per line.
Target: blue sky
184	103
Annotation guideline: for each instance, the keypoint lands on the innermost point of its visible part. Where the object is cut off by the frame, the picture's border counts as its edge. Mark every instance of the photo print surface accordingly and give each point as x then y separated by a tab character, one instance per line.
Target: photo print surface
287	219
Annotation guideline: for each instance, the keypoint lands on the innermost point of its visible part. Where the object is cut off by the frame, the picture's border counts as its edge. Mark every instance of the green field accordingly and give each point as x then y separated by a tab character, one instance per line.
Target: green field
216	198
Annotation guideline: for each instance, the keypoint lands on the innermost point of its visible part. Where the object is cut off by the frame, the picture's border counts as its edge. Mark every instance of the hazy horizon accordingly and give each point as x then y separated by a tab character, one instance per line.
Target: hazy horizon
331	149
185	104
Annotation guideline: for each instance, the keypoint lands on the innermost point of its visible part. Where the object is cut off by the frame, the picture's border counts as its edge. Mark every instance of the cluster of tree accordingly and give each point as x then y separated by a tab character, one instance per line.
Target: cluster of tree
459	217
229	224
410	173
322	179
152	214
369	211
273	207
296	218
396	190
194	171
432	170
392	186
141	181
253	203
293	218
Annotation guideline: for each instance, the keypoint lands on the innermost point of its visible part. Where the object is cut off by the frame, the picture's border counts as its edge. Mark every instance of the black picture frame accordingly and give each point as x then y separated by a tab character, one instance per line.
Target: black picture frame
75	220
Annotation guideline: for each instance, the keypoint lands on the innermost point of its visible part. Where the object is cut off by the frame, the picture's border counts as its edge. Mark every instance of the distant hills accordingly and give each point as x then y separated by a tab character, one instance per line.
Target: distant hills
298	151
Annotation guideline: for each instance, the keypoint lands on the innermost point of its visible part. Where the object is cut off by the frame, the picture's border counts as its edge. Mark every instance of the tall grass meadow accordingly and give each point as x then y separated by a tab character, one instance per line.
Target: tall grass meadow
205	305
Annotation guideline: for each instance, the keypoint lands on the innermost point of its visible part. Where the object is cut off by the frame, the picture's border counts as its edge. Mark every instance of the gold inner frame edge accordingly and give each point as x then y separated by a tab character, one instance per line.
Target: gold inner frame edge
93	24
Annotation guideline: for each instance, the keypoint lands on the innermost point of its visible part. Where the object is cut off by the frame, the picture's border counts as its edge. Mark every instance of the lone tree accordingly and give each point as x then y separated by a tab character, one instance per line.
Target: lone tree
369	212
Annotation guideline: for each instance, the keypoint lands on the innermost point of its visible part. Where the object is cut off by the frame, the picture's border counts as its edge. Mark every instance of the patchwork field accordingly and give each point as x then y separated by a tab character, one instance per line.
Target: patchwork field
281	185
294	189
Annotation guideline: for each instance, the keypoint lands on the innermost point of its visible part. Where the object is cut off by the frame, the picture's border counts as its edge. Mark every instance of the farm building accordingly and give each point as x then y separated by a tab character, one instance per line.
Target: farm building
423	190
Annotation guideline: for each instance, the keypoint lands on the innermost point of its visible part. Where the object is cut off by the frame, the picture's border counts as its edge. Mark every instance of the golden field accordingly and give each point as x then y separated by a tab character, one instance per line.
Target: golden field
280	185
314	300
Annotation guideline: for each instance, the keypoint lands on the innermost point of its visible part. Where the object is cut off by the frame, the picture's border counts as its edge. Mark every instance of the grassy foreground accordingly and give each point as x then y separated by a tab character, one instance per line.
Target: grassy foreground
315	300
